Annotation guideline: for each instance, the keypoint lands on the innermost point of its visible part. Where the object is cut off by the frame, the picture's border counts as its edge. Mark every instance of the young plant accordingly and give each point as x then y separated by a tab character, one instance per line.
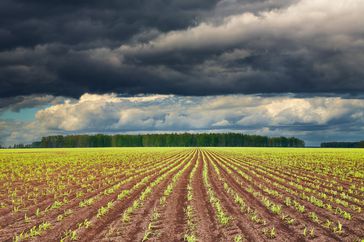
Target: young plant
270	233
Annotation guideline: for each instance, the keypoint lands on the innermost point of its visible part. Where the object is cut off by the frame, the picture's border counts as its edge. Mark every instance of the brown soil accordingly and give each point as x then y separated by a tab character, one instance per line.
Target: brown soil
323	233
309	174
171	224
58	228
357	219
98	225
113	229
207	226
9	218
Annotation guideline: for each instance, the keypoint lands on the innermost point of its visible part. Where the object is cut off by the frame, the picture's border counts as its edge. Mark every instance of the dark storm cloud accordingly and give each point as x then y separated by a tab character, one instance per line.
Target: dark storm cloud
27	23
67	48
17	103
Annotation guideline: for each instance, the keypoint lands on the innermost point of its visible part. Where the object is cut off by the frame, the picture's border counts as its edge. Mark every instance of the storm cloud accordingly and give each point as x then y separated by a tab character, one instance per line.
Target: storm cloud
283	67
67	48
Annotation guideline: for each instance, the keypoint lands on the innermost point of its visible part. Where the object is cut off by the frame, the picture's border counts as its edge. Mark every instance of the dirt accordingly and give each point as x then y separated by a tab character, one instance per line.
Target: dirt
207	226
119	231
311	178
171	224
99	225
58	228
324	234
283	233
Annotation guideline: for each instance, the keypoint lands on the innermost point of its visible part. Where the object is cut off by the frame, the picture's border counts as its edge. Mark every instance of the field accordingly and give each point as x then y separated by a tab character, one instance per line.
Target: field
182	194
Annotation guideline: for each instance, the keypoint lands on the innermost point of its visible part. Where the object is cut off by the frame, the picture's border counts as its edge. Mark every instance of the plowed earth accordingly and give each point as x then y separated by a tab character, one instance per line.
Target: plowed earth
142	195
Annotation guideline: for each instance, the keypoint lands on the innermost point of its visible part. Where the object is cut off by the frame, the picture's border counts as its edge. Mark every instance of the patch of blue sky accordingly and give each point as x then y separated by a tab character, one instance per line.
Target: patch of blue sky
25	114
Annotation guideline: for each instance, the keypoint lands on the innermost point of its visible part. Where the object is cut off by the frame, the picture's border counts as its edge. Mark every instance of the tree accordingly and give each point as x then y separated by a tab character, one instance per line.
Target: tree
173	139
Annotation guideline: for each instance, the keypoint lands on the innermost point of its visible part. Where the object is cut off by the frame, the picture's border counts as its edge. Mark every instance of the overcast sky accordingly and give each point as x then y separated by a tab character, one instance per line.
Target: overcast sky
271	67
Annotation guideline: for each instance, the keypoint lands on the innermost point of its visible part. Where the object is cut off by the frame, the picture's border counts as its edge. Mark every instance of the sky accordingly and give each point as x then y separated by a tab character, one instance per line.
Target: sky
268	67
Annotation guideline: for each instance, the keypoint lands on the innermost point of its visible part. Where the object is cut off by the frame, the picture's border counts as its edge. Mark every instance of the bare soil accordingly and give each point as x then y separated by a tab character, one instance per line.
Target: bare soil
171	224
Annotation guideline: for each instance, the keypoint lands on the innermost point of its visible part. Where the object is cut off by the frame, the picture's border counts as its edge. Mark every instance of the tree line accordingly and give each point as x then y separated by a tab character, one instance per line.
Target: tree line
166	140
359	144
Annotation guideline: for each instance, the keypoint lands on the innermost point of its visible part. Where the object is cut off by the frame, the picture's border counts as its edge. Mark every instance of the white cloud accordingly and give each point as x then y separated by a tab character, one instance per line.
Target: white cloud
168	112
306	117
161	112
222	123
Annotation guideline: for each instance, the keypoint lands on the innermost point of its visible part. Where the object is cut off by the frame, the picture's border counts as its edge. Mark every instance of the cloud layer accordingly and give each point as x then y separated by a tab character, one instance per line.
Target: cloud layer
313	119
282	67
181	47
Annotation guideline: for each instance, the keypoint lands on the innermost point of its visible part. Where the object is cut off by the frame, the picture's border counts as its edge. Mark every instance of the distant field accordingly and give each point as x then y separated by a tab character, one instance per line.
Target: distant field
176	194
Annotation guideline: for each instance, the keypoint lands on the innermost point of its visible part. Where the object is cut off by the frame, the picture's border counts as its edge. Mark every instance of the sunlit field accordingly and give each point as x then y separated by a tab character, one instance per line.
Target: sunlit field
182	194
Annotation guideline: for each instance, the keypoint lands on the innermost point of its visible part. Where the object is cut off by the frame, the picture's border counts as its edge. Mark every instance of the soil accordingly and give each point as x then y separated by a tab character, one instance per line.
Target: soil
171	224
